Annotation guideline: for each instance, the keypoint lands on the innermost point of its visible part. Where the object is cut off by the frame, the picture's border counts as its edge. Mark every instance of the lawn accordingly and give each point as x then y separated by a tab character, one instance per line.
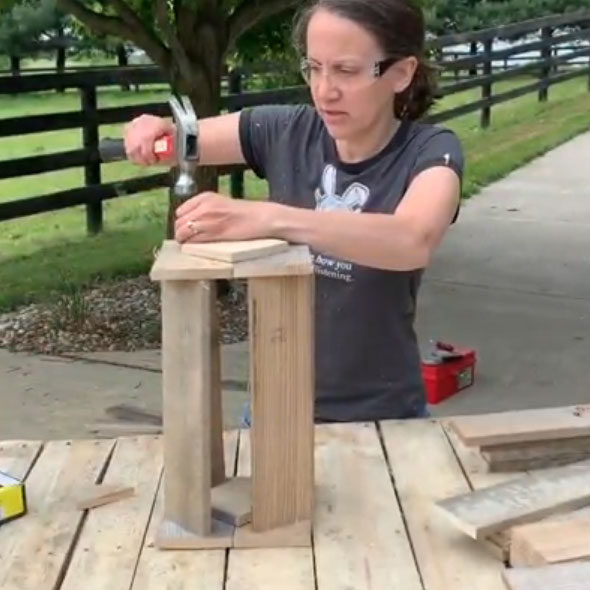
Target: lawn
47	253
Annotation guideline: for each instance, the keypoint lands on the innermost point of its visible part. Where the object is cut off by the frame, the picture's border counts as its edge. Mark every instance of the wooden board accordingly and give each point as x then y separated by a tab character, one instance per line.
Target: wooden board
33	548
536	455
179	570
425	470
296	261
101	494
18	456
359	535
236	251
187	402
172	265
563	576
530	497
268	568
551	541
479	476
115	532
282	375
523	426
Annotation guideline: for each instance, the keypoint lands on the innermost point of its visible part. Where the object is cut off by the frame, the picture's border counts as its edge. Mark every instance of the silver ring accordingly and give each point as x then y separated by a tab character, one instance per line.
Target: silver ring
193	227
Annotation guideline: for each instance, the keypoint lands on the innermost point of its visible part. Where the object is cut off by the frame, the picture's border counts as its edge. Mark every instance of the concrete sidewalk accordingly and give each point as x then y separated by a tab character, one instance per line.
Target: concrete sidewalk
511	280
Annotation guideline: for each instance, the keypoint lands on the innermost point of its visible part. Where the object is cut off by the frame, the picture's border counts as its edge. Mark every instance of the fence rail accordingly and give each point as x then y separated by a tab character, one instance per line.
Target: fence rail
552	31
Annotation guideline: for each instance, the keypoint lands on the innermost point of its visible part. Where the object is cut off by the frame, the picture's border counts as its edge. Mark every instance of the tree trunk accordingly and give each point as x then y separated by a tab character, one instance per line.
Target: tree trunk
15	65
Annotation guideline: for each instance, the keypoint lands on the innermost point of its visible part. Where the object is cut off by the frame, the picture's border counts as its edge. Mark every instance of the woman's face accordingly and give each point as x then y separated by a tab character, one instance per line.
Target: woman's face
341	58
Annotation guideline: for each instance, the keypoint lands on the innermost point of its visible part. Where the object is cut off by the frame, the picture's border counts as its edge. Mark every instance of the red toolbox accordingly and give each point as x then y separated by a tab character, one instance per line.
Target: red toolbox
446	370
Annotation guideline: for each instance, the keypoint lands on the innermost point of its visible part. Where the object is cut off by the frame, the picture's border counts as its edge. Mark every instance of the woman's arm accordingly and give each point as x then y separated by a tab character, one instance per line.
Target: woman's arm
219	139
404	240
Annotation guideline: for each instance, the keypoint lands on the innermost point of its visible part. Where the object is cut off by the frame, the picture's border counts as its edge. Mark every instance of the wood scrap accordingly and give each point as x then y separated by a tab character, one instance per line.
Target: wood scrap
562	576
523	426
103	494
236	251
535	455
525	499
552	541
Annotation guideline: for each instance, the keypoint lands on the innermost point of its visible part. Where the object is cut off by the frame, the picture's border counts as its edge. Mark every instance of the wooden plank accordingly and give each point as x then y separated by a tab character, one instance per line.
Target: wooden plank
172	265
17	456
34	549
479	477
294	262
282	374
268	568
236	251
521	500
562	576
359	536
536	455
112	536
425	470
186	378
182	570
551	541
523	425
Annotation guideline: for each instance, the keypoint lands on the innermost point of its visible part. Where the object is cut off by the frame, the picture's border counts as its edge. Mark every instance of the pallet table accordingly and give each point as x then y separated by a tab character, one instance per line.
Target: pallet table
374	526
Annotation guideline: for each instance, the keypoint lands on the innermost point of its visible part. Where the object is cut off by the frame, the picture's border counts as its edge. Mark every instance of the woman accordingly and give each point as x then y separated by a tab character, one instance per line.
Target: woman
355	177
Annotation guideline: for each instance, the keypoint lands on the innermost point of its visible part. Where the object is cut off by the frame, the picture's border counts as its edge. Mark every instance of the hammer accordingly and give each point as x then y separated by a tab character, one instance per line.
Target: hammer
185	144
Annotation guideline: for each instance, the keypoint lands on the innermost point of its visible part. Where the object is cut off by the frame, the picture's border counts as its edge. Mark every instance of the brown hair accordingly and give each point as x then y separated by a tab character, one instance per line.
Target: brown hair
398	27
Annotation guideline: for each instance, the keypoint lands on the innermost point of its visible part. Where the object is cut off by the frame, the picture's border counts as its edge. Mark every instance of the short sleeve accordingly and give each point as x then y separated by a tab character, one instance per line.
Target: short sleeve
441	148
261	128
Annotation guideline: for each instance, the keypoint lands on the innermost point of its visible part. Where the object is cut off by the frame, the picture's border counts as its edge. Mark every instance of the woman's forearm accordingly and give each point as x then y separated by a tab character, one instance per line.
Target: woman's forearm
369	239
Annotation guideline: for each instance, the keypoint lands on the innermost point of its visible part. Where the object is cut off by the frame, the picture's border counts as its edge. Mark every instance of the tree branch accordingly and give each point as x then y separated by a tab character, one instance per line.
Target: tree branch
133	30
251	12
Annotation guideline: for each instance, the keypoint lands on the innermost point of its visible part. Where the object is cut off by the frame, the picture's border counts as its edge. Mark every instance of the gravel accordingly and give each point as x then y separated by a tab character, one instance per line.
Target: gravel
124	315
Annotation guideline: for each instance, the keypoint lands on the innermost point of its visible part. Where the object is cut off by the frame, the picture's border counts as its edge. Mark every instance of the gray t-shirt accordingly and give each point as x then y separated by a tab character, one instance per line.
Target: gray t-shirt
366	352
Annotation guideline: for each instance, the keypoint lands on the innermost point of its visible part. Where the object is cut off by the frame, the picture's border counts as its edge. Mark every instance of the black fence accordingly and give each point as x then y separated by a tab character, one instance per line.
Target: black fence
547	33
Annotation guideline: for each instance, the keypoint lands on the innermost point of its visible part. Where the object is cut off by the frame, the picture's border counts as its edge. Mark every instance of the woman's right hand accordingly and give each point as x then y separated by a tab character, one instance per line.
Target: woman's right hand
140	136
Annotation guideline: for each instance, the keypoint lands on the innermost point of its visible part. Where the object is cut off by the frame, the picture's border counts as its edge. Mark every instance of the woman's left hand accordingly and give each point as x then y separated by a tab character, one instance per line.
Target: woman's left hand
210	216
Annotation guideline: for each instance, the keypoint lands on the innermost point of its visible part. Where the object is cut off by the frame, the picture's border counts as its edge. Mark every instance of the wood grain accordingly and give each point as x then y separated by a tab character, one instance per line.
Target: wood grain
563	576
18	456
530	497
33	552
425	470
236	251
113	535
187	389
282	370
359	536
523	425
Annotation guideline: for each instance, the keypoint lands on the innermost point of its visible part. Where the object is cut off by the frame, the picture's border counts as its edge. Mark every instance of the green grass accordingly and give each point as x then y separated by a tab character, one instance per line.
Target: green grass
44	254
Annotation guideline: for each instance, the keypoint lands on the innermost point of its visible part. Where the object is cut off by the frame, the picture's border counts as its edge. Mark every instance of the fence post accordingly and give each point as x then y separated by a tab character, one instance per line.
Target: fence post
546	35
486	88
236	178
90	143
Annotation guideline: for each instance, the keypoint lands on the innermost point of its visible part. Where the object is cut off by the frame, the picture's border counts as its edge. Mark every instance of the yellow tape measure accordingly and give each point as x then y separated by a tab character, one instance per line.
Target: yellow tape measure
13	500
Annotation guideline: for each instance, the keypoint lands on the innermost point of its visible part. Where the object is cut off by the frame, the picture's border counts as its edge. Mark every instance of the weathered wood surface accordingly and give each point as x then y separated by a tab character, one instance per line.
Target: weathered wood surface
374	526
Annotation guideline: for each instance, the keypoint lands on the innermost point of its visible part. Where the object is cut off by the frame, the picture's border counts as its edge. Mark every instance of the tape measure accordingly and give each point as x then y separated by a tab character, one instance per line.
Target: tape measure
13	499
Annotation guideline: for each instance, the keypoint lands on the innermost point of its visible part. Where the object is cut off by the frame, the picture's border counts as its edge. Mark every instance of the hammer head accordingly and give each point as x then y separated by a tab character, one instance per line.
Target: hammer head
187	145
187	133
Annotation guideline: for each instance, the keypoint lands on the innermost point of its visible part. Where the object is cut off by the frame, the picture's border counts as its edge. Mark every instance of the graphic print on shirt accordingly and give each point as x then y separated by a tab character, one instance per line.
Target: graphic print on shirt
353	198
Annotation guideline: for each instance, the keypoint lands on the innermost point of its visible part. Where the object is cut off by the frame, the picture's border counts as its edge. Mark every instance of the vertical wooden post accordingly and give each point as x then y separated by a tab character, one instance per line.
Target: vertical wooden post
546	37
90	143
486	89
282	376
186	373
